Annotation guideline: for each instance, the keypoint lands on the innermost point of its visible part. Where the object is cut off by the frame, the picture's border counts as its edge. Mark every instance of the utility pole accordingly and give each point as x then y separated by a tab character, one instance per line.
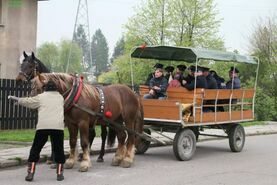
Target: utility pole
82	20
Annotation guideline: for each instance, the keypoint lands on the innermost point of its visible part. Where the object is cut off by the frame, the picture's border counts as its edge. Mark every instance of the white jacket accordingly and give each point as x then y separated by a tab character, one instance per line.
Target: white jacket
50	105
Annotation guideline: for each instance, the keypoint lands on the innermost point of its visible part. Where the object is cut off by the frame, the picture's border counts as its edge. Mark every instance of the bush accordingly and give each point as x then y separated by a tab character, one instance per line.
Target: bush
265	107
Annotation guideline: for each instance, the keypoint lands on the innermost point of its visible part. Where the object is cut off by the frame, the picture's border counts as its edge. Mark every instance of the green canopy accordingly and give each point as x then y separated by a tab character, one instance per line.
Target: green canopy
188	54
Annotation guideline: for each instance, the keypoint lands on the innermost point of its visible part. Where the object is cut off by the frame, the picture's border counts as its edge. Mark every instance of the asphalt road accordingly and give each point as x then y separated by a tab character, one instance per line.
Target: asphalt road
213	164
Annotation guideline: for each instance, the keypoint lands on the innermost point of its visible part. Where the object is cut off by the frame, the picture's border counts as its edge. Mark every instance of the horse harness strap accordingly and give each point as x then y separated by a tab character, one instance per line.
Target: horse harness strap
74	94
111	123
102	99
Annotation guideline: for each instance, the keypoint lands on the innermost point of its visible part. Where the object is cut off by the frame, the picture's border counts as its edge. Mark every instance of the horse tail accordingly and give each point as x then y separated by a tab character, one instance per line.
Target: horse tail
111	137
140	116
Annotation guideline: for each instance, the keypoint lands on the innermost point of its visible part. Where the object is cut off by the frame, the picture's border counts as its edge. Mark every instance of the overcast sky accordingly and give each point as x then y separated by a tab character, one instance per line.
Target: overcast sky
56	19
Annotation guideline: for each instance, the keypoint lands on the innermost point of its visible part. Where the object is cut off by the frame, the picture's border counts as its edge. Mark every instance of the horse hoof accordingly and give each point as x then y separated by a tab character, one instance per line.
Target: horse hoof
83	169
68	164
115	162
125	164
100	160
84	166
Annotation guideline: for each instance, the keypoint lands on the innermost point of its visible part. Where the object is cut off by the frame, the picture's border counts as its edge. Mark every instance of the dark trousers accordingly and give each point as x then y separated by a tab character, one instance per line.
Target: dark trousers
41	138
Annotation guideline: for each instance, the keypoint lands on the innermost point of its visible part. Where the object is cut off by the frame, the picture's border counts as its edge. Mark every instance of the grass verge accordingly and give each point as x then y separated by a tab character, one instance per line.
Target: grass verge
28	135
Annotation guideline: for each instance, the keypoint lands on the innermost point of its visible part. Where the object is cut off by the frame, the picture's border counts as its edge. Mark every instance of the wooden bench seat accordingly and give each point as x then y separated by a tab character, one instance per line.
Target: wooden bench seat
171	108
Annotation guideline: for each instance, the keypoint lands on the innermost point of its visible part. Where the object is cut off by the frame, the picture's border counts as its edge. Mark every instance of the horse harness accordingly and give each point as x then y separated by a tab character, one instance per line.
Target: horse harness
74	94
32	74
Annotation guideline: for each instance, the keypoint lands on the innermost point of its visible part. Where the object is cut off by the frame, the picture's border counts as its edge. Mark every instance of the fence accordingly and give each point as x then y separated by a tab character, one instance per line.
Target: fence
13	116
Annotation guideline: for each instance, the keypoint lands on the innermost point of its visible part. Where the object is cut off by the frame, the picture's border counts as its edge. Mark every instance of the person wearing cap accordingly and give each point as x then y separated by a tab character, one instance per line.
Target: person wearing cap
211	81
169	73
157	86
219	80
152	75
180	70
50	105
201	81
190	76
234	82
211	84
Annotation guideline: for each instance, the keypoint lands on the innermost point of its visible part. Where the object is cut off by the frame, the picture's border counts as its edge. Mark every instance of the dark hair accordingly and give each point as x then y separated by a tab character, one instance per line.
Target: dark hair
50	86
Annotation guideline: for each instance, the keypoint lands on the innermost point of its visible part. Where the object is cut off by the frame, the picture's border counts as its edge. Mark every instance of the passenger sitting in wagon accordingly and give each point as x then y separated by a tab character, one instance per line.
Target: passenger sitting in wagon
234	82
201	81
175	82
157	86
180	71
152	75
219	80
169	73
190	76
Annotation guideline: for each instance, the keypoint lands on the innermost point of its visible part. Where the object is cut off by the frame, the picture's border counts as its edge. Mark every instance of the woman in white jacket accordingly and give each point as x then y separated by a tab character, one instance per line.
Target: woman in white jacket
50	105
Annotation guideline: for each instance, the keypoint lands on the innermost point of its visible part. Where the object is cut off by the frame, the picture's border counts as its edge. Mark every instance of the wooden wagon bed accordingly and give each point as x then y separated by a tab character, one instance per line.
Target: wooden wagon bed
179	104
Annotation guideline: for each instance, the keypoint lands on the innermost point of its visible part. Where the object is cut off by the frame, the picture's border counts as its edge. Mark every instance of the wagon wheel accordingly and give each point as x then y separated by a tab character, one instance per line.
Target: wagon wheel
142	144
236	138
184	144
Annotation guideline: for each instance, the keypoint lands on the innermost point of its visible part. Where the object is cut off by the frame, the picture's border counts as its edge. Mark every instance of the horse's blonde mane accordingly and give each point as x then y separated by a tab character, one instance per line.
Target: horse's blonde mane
64	82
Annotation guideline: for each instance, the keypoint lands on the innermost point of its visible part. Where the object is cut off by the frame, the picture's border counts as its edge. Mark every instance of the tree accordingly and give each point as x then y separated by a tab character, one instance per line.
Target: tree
176	22
99	52
194	24
119	48
149	24
75	59
55	57
48	53
263	43
81	39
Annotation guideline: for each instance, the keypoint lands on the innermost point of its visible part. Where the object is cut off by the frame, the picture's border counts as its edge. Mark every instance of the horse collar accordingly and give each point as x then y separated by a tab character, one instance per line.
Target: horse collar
102	99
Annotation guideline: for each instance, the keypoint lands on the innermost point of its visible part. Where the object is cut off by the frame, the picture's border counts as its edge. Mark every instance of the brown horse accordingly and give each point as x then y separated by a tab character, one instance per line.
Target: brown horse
30	67
119	100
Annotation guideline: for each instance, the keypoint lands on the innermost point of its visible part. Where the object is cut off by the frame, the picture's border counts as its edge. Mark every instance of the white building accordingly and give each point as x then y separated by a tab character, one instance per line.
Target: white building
18	32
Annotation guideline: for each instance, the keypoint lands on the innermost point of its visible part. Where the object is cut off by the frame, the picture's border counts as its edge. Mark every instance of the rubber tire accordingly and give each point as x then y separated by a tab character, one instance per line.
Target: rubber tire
143	145
182	137
236	138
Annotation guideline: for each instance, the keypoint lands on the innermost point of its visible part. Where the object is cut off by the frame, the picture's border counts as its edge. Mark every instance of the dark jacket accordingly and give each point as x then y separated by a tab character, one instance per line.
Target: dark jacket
189	78
160	82
211	81
150	76
201	82
236	84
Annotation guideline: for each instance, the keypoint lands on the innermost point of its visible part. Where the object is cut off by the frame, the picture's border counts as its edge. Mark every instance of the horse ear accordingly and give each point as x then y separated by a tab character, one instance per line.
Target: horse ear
24	54
33	56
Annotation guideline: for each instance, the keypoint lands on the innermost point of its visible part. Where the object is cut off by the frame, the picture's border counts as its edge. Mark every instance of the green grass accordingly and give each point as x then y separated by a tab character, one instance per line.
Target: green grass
28	135
253	123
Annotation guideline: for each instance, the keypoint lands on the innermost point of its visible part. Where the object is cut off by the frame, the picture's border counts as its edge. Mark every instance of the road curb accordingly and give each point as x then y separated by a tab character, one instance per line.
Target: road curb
19	161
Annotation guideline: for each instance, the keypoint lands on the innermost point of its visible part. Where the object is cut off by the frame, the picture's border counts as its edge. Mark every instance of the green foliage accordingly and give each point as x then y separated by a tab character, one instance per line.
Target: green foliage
264	45
119	48
81	39
75	57
265	106
55	56
99	52
48	53
175	22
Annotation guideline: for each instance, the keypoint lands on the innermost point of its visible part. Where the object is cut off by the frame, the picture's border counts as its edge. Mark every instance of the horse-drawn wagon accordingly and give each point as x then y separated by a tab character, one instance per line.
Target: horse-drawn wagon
182	111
